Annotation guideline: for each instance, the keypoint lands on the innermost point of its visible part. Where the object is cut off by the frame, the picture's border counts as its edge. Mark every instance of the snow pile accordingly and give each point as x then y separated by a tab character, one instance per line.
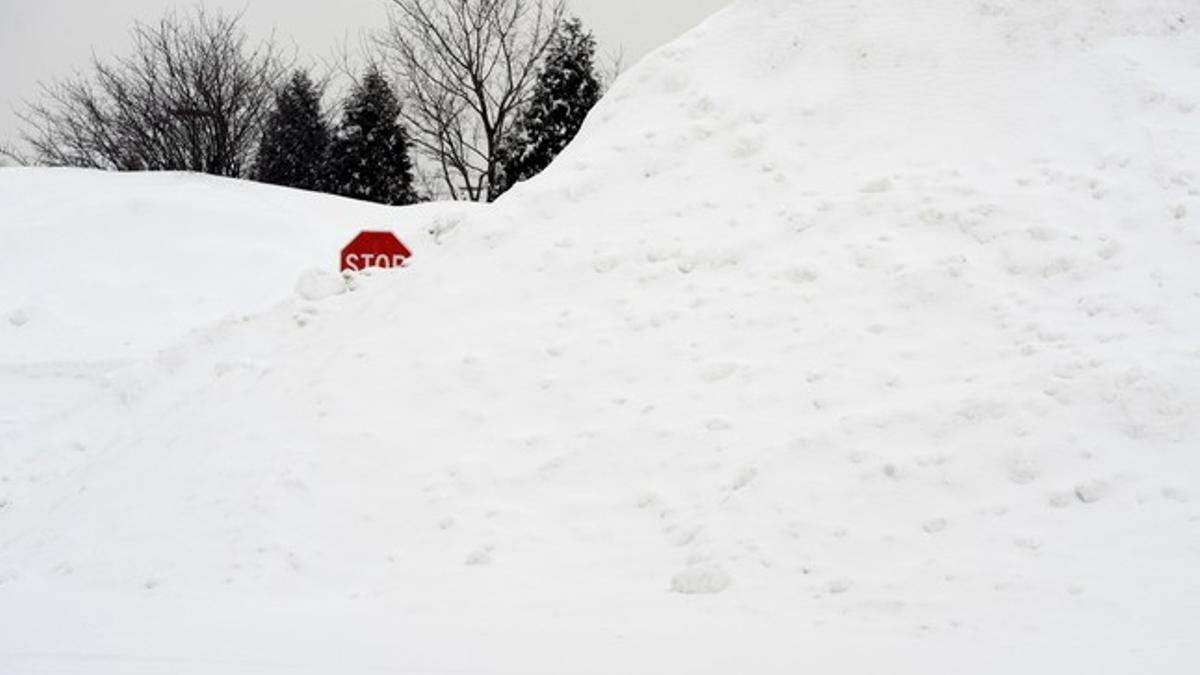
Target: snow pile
317	284
847	337
113	266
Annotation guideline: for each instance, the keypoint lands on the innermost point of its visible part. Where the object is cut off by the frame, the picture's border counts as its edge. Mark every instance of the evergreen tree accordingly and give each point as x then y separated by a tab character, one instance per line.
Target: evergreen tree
368	158
566	90
296	137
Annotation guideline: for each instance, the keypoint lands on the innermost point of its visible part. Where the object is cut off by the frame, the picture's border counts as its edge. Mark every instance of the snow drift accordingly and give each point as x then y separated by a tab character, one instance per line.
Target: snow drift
846	337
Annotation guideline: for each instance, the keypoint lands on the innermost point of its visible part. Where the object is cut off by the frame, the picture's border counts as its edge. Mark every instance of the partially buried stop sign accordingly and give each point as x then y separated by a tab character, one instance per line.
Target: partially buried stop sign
374	249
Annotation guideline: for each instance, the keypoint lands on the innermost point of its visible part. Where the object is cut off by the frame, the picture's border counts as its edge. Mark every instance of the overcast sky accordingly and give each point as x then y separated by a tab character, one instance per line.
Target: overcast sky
42	39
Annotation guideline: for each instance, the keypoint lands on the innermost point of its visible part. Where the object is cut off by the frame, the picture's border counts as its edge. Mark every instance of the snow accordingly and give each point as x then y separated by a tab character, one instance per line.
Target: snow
318	284
704	579
847	337
112	266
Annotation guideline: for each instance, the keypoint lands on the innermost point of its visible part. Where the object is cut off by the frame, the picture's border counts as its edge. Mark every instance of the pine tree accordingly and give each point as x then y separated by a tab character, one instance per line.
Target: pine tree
566	89
368	158
296	137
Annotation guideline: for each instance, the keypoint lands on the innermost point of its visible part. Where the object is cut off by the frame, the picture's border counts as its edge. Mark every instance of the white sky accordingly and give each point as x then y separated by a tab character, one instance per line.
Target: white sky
43	39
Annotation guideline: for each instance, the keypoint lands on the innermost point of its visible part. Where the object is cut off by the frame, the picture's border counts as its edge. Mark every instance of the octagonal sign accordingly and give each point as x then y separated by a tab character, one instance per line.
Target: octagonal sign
374	249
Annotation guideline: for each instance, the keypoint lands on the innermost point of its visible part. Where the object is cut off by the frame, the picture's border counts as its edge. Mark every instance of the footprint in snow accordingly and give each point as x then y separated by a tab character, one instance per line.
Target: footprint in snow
935	526
603	264
745	477
717	372
717	425
703	579
877	186
1061	500
840	585
1091	492
479	557
20	316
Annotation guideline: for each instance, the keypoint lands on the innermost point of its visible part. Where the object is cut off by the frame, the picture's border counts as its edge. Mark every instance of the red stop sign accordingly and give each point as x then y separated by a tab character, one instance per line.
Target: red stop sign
374	249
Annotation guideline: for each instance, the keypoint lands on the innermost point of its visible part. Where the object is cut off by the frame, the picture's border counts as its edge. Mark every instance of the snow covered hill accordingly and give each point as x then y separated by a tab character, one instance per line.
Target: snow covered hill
105	266
848	337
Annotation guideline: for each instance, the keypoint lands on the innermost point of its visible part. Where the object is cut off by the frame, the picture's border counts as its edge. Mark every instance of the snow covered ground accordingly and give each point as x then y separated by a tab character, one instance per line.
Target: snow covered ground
847	338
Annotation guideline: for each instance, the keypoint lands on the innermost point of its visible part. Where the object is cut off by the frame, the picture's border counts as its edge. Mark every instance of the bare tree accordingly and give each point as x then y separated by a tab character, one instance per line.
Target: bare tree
193	96
612	67
464	69
10	156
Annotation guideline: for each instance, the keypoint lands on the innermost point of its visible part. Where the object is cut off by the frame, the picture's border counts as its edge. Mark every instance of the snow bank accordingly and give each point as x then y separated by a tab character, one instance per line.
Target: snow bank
113	266
869	329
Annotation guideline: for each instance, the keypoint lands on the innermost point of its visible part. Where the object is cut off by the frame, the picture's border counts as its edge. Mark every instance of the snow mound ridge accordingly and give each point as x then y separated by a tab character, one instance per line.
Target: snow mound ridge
946	83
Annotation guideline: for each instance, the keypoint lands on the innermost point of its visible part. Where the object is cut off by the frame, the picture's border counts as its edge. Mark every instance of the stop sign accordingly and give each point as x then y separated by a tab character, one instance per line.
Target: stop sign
374	249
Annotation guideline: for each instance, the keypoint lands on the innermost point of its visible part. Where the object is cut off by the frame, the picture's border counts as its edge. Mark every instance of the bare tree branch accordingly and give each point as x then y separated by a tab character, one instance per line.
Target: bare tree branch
10	155
614	65
465	68
193	95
